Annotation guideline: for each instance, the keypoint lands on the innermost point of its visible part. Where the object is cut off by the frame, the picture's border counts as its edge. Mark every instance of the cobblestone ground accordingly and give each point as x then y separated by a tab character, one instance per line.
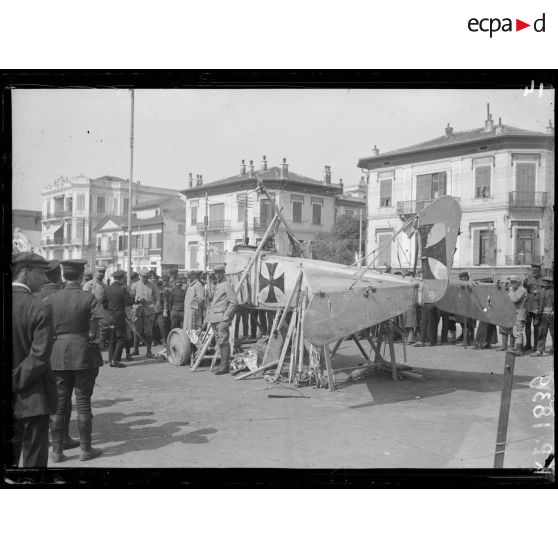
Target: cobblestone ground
153	414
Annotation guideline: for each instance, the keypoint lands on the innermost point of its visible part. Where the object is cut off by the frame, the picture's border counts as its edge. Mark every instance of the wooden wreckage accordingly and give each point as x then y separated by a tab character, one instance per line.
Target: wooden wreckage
317	305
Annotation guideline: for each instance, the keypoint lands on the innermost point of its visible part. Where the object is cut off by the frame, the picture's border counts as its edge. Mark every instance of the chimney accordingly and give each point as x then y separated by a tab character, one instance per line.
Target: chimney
488	123
341	183
251	169
264	163
375	152
242	168
550	128
449	131
327	175
199	180
284	168
499	128
190	180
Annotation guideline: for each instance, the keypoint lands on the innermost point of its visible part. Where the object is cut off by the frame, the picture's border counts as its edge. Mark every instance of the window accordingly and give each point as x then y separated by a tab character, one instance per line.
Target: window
430	186
79	230
126	205
80	199
242	204
526	246
194	213
216	254
349	212
482	182
297	203
69	232
317	210
217	213
484	246
525	177
101	204
121	240
193	254
385	192
159	240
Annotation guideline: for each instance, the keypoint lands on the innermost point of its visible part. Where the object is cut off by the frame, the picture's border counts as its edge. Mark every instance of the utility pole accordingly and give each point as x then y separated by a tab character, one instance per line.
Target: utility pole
130	192
205	224
360	237
246	218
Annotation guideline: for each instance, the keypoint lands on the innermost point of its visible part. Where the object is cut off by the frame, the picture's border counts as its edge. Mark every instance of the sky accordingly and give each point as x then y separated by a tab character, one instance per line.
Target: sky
70	132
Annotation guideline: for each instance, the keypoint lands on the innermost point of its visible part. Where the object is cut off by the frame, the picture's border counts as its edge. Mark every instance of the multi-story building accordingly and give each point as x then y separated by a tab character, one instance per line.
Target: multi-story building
72	208
157	237
504	179
226	212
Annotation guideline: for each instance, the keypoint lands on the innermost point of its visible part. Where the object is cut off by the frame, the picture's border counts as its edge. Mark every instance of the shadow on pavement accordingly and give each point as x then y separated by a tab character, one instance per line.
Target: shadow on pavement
136	435
436	382
99	403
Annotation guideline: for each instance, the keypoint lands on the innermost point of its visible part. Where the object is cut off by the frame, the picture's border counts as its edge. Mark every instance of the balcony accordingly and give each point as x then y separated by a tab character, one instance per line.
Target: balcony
522	200
58	214
261	224
215	226
524	259
411	207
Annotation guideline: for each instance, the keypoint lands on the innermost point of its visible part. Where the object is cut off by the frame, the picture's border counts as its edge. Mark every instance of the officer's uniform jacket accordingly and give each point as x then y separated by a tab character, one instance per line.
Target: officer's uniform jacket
149	292
224	303
118	297
534	293
48	289
98	288
72	310
33	384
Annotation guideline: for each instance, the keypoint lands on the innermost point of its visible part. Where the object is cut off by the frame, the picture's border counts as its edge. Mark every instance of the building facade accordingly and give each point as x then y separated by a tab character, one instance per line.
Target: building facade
157	238
503	178
72	208
224	213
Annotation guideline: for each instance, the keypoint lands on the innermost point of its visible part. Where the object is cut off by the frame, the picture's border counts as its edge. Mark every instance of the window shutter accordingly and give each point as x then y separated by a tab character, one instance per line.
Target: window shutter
476	249
482	182
159	240
492	248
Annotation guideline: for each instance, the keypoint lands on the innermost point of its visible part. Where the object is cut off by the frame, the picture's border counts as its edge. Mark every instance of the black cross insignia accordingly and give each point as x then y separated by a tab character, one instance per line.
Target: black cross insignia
272	282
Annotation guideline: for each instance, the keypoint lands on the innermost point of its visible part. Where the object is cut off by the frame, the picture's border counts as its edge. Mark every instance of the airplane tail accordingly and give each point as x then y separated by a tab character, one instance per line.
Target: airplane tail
438	227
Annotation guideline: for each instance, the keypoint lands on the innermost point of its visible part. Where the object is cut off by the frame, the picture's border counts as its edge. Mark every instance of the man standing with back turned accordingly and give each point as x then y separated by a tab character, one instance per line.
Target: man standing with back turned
33	386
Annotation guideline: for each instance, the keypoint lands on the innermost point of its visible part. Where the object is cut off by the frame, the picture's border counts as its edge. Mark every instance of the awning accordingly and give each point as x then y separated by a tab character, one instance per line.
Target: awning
51	229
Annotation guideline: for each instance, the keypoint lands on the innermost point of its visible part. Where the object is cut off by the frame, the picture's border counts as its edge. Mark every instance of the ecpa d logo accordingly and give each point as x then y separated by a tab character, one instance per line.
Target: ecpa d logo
494	24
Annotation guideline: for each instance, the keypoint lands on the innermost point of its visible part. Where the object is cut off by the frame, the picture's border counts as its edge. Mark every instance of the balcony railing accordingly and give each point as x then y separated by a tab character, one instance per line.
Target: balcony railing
58	214
261	224
410	207
220	226
524	259
528	199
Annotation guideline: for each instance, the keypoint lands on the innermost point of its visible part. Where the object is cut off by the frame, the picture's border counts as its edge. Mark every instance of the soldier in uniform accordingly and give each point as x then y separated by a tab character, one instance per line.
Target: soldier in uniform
118	298
146	299
130	319
98	287
33	385
546	317
54	284
220	316
162	311
54	280
176	304
194	303
533	284
74	360
518	296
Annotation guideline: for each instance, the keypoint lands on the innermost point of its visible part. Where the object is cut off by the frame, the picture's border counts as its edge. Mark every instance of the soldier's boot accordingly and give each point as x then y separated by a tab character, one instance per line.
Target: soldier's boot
69	443
225	358
148	343
85	423
57	434
504	346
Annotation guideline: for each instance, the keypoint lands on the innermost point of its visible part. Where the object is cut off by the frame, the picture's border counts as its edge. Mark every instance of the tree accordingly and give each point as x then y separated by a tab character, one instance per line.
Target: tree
340	245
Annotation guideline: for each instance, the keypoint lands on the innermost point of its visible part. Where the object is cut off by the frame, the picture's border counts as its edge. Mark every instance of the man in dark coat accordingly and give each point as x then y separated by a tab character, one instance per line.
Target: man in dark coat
33	386
54	283
75	360
176	304
533	284
118	297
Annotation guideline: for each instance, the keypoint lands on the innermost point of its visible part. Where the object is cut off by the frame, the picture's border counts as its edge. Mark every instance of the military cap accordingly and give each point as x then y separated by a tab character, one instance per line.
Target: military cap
515	279
73	265
134	275
52	265
144	272
30	260
100	268
219	267
193	273
464	275
119	274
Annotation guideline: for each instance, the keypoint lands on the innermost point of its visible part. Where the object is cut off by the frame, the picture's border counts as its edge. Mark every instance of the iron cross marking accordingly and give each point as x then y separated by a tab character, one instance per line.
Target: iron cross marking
272	282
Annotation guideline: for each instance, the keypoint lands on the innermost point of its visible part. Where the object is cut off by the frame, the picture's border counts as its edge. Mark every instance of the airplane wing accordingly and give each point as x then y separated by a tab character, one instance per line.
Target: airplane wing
486	302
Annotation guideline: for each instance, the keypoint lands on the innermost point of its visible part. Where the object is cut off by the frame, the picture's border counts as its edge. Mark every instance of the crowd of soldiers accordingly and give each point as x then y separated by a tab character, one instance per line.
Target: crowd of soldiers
533	300
60	321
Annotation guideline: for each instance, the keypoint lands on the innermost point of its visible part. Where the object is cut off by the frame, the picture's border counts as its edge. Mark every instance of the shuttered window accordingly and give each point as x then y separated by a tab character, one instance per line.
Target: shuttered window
80	202
525	177
385	192
194	214
482	182
297	202
316	214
